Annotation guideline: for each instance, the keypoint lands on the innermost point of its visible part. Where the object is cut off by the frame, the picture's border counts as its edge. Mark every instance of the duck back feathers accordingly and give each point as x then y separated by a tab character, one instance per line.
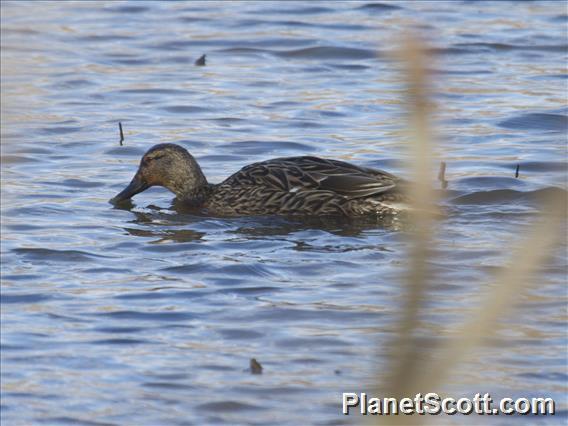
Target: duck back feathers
305	186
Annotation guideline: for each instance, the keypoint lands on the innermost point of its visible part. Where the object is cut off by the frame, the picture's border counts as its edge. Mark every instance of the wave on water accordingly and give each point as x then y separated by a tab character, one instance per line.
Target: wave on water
537	121
45	254
318	52
498	196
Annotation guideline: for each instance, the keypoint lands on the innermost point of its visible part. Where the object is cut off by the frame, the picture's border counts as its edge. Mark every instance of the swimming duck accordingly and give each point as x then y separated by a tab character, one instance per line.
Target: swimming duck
308	186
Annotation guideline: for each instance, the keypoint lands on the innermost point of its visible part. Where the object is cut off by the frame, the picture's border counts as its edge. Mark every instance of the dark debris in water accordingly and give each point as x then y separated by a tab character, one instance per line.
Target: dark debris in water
121	133
200	62
255	367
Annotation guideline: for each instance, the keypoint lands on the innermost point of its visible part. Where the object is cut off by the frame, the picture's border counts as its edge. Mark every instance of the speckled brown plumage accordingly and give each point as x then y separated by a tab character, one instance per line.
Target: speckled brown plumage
308	186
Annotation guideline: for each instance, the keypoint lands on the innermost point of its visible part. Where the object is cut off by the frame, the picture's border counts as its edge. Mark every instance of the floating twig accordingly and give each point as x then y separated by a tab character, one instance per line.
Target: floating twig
442	175
121	133
201	61
255	367
517	170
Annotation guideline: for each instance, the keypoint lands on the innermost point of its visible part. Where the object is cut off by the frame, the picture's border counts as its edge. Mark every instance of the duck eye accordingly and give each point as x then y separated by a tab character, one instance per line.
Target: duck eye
147	160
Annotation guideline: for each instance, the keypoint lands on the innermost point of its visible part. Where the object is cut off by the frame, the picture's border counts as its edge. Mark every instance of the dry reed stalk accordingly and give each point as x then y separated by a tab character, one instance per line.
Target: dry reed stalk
410	374
422	201
509	285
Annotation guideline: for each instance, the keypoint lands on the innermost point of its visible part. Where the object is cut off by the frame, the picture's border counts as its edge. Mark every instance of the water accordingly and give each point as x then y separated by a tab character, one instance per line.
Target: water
150	316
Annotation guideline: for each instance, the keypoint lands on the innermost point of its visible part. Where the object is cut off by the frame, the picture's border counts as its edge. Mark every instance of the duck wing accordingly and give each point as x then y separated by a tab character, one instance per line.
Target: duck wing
294	174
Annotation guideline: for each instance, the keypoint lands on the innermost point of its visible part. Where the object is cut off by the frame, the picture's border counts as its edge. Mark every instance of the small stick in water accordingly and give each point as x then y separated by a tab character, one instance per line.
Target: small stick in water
121	133
442	175
517	170
201	61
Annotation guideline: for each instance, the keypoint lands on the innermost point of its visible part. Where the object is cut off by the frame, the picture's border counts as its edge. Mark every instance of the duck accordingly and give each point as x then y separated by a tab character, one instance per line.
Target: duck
304	185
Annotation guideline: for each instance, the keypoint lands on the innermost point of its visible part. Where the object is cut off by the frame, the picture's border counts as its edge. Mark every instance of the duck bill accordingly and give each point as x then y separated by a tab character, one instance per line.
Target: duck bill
136	186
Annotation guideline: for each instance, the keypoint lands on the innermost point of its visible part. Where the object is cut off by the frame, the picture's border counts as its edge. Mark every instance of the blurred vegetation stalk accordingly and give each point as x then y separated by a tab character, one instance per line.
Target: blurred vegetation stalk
422	201
409	372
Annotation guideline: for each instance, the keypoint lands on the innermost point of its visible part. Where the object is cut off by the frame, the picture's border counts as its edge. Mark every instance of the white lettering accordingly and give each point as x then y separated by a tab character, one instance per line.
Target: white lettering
349	400
390	406
374	406
543	406
522	406
446	402
406	406
432	403
419	403
465	406
363	403
504	406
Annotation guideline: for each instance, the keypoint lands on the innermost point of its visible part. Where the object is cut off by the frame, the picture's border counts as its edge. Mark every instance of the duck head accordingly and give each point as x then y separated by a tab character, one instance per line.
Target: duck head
167	165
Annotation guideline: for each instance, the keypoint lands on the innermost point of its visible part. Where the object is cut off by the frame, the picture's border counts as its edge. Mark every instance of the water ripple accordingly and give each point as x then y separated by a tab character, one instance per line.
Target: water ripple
537	121
51	255
148	316
165	307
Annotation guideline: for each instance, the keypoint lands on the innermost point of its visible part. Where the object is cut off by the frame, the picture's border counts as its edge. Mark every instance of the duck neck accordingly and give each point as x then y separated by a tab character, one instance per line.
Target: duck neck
195	196
189	183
